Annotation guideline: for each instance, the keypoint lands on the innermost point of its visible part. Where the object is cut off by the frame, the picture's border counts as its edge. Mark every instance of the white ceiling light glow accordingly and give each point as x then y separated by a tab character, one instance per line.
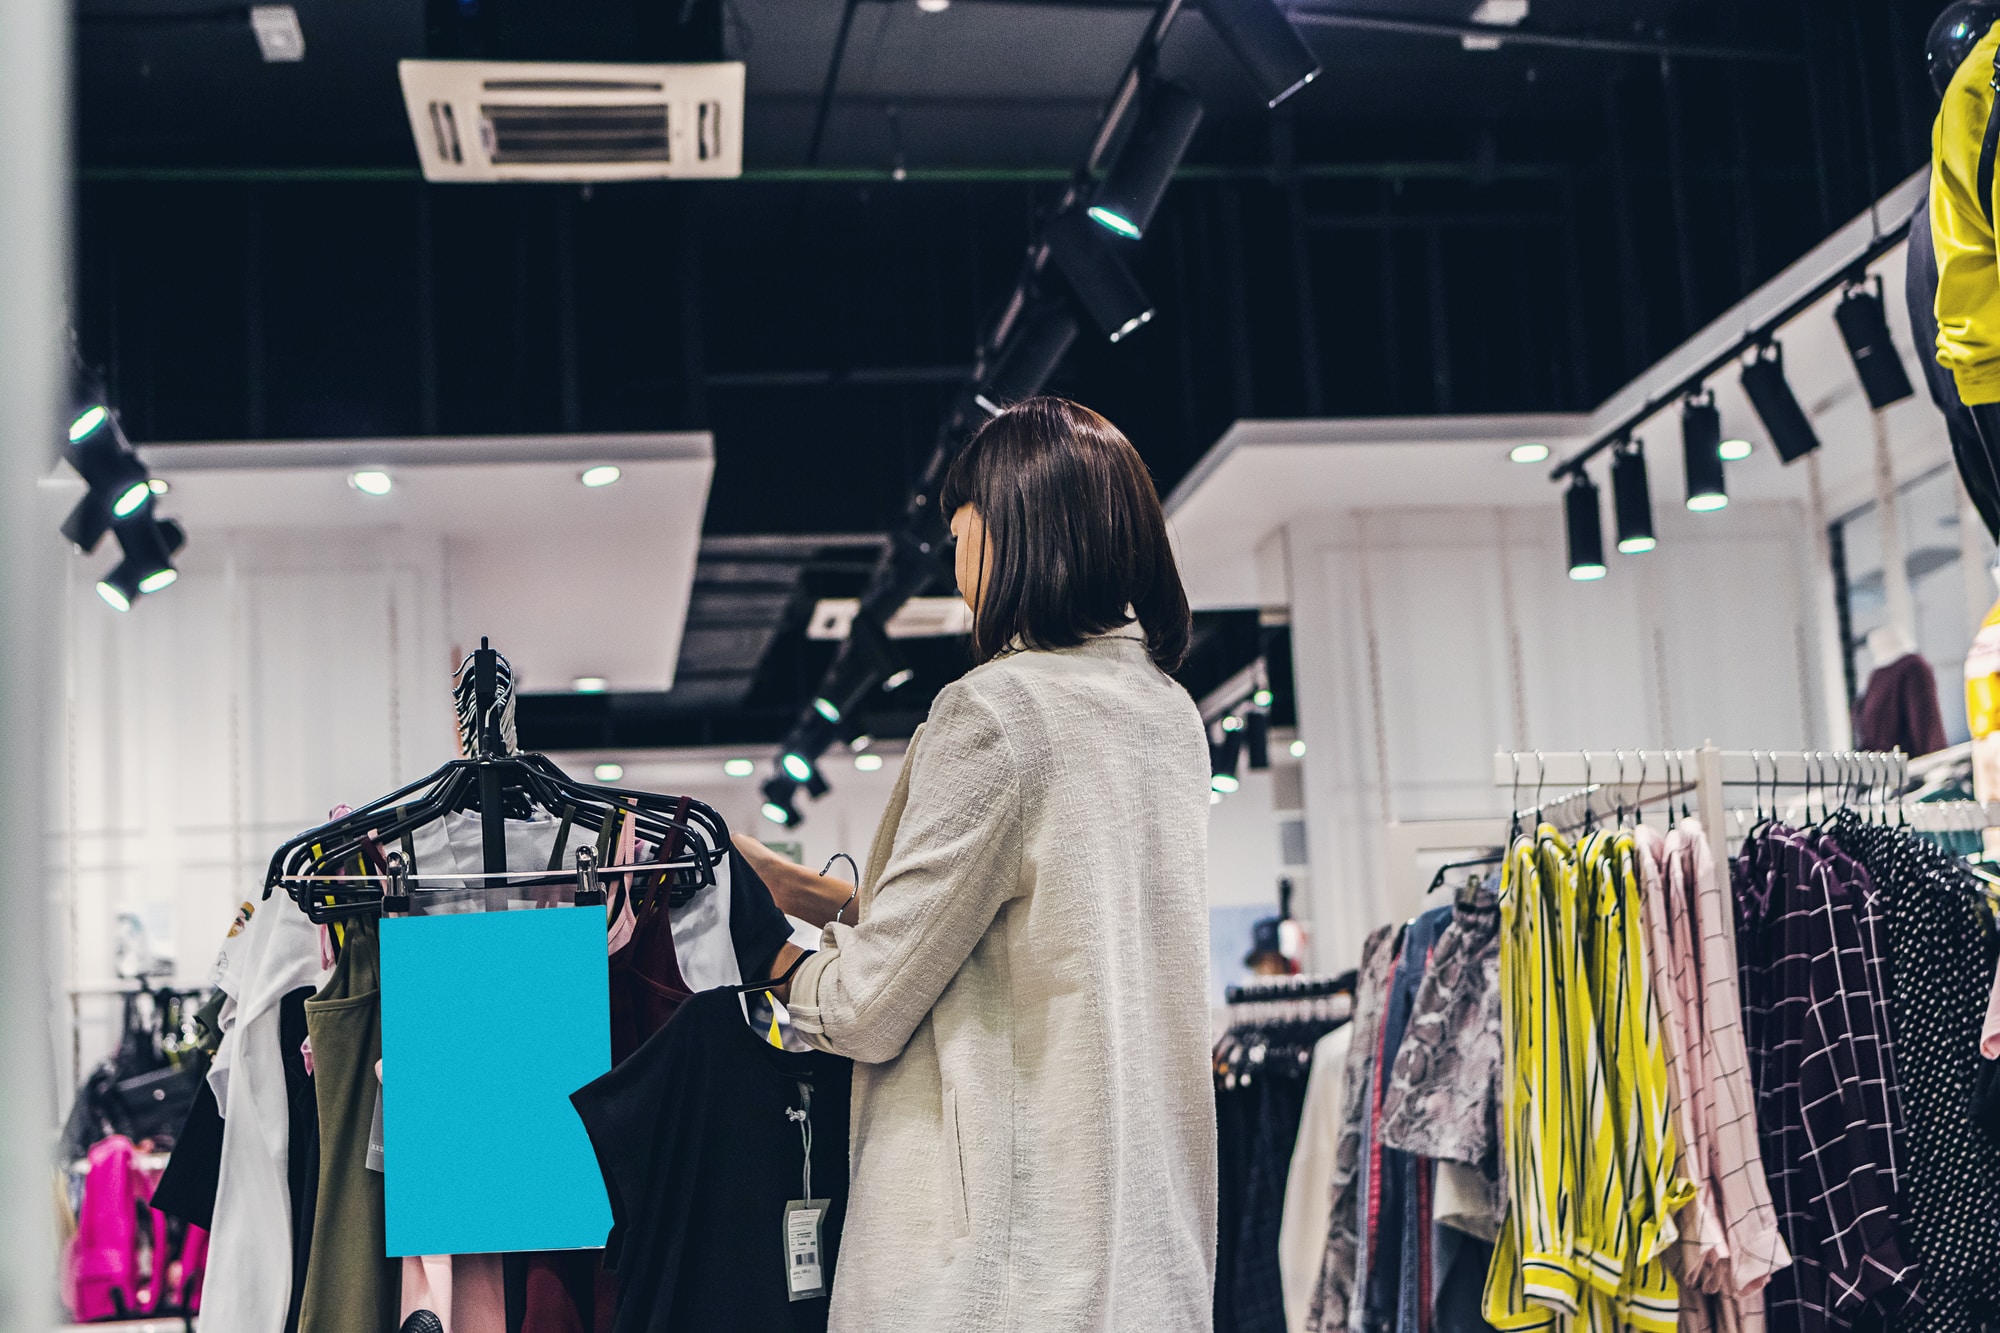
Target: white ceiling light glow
371	482
604	474
590	685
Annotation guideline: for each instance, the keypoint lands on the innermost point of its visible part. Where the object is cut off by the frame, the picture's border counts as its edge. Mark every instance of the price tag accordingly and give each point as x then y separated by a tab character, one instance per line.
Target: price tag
804	1261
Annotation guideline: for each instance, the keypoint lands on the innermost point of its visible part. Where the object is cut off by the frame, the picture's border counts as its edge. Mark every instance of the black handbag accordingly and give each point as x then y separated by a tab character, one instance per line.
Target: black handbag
154	1105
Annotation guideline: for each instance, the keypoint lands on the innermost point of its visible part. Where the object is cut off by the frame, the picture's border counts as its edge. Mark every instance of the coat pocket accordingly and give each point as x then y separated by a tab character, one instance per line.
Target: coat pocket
953	1166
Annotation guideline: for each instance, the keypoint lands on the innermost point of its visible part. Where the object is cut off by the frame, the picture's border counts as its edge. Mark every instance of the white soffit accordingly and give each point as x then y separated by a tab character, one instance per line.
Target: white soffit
567	580
1264	475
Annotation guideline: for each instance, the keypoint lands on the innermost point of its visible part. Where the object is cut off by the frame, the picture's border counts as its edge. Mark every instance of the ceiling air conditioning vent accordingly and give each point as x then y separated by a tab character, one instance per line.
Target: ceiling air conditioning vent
505	121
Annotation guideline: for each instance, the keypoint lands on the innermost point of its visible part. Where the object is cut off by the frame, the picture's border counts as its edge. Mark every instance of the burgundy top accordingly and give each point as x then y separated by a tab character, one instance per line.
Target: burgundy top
1899	709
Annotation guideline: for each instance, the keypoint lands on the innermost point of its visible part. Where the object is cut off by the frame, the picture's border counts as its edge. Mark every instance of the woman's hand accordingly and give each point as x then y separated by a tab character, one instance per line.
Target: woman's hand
798	892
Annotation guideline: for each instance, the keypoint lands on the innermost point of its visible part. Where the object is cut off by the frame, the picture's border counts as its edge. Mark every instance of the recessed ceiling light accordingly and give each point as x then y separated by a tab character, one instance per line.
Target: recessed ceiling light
1298	749
602	475
867	763
739	768
1734	451
158	487
1528	453
590	684
933	6
609	772
370	483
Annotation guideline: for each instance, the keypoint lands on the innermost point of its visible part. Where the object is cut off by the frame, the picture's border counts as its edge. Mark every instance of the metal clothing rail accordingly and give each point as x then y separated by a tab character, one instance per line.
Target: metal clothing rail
1713	770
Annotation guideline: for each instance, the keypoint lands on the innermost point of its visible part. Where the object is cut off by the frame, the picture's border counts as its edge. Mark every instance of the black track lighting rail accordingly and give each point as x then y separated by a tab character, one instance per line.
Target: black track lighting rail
1852	272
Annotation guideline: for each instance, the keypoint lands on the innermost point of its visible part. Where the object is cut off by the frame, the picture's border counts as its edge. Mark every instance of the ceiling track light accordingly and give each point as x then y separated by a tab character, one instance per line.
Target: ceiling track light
1259	35
1584	526
1024	365
1864	327
1777	407
1130	194
1632	498
779	797
1097	274
1701	454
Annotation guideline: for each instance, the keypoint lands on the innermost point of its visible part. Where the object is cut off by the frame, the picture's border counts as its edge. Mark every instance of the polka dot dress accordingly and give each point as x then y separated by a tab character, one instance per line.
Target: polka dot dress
1942	948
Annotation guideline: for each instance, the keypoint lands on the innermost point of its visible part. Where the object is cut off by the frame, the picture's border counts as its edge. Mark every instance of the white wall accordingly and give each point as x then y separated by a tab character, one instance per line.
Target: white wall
278	678
1425	640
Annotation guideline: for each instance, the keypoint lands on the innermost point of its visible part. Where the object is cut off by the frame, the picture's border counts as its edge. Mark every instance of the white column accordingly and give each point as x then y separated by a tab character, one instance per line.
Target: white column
1902	603
34	230
1826	616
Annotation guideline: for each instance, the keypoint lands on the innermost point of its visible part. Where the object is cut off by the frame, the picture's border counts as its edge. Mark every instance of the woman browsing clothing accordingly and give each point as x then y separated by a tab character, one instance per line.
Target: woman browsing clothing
1022	976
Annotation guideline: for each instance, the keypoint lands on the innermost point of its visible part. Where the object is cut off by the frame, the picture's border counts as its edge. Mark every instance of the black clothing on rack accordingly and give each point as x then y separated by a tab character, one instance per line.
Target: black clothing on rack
701	1146
187	1187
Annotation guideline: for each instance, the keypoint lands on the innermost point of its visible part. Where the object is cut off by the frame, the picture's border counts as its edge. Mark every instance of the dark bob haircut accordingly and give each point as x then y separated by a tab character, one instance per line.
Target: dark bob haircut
1077	530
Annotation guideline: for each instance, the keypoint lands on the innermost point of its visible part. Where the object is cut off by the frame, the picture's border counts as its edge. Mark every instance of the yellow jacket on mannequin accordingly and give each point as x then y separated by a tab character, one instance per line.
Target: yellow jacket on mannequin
1968	295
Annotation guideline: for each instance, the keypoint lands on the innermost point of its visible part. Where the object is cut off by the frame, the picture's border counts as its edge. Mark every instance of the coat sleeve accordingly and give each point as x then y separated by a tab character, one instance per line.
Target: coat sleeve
1968	296
955	860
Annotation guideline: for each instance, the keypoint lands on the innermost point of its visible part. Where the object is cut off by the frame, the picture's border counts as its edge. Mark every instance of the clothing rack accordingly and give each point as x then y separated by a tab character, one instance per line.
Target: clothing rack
1633	776
1290	988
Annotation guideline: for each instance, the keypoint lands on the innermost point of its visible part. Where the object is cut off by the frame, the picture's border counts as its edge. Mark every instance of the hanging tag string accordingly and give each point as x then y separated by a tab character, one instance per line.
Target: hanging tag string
804	1119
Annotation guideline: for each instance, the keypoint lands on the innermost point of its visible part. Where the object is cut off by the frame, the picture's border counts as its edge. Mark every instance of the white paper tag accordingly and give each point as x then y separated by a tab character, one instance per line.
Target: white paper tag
804	1261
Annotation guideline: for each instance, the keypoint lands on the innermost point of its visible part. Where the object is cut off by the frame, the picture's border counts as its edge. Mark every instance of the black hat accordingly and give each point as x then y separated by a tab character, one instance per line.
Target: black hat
1263	940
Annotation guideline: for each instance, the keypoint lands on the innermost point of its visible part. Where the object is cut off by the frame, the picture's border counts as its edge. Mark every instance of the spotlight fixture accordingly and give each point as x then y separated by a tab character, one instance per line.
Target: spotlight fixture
1865	329
860	743
1528	453
797	767
898	679
1298	749
1585	525
608	772
590	685
1701	454
1632	498
1232	723
867	763
1262	698
88	421
604	474
1223	757
1777	407
371	482
1257	741
149	545
779	794
1168	116
1097	274
827	709
815	785
739	768
1024	365
1258	34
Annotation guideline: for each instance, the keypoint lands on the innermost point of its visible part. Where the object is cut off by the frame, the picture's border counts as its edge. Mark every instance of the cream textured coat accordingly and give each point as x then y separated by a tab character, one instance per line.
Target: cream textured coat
1025	994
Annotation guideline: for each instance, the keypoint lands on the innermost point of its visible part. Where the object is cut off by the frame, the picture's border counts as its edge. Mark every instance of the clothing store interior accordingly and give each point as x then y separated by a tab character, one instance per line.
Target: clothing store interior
463	554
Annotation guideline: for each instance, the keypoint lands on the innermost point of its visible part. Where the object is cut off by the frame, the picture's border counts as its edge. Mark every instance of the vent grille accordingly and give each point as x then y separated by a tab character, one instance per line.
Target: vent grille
517	134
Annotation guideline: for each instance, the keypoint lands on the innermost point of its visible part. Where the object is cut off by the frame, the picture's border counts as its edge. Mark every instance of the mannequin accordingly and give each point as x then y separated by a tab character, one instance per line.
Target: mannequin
1899	709
1888	643
1954	263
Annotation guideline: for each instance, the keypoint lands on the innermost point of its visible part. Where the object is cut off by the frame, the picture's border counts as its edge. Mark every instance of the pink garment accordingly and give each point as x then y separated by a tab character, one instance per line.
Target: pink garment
1733	1169
1989	1035
465	1291
1676	976
626	921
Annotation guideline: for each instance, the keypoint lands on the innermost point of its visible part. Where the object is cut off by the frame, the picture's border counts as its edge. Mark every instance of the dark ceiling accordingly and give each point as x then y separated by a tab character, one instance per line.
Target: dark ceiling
1424	229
